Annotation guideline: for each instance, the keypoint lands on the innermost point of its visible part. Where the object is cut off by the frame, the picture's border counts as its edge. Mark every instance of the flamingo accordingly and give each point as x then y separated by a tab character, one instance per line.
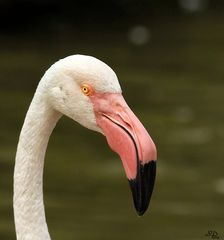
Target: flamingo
86	90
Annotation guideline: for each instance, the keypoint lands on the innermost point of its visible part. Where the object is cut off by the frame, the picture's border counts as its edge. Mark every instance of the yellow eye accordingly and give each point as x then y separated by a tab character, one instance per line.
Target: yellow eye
86	89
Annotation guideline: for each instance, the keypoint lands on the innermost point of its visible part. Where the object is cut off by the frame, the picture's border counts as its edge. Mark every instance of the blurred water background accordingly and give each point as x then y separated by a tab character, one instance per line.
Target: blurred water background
169	57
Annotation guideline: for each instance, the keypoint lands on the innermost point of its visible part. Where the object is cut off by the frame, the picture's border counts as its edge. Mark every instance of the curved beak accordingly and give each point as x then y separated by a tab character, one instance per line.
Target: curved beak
127	136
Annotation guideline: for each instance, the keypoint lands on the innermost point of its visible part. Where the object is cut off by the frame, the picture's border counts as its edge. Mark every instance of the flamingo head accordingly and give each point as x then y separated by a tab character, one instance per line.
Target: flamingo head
87	90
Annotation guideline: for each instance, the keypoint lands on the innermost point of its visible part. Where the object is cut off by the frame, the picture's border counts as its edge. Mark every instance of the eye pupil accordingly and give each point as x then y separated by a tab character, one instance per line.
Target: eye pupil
86	89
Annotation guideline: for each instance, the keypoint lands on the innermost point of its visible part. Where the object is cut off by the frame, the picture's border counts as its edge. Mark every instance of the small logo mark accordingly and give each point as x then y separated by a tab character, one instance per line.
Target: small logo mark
212	234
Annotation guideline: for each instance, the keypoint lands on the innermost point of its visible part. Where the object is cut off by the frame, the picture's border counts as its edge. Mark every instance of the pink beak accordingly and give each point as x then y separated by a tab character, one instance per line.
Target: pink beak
127	136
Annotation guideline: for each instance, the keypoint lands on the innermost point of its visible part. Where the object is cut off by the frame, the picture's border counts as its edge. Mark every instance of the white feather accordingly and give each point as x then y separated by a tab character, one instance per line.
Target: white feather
57	93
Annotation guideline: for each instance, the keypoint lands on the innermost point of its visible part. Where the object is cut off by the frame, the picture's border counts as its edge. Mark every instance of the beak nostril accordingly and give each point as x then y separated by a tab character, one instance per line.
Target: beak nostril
117	104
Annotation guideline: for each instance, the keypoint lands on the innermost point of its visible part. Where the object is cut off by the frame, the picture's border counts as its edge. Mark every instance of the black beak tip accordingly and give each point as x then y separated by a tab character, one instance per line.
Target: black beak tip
142	186
140	212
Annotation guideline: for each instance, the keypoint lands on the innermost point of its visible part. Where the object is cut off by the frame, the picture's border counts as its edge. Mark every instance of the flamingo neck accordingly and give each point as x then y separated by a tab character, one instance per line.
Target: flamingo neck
28	203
